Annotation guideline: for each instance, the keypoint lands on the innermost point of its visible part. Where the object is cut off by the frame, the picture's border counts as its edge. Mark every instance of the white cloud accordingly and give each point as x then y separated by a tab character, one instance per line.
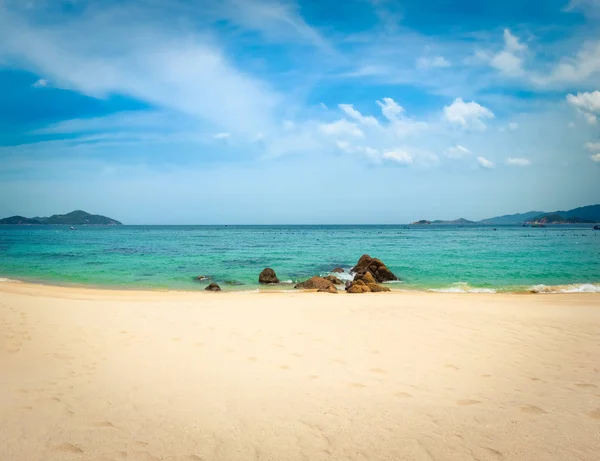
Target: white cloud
595	157
222	136
457	151
512	43
436	61
485	163
351	112
390	109
572	69
467	114
513	126
41	83
587	104
509	60
518	161
340	128
593	146
399	157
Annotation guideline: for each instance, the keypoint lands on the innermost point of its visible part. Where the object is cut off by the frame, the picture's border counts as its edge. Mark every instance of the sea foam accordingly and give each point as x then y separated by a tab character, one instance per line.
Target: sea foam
575	288
462	287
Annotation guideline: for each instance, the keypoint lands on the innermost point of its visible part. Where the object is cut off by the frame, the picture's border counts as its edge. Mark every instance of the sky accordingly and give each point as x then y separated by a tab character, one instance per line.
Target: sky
298	112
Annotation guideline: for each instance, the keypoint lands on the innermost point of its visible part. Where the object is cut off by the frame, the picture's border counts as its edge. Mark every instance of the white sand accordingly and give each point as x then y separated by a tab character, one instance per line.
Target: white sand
106	375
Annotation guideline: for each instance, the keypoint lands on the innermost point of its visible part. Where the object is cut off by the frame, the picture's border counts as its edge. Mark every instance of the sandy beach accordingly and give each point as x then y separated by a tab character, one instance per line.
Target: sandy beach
123	375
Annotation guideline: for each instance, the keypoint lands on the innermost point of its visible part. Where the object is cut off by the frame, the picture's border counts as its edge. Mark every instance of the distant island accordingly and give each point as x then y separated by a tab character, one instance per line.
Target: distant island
582	215
75	218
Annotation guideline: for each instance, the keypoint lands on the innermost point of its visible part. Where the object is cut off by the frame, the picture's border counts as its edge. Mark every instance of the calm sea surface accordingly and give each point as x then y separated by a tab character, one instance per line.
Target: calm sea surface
444	258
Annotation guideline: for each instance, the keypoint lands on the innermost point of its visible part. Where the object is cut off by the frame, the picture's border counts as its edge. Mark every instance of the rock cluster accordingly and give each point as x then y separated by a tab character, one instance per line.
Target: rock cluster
369	273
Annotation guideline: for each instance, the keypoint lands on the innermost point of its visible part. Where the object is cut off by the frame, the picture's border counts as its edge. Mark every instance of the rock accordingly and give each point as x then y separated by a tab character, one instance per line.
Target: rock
333	279
358	287
200	278
315	283
331	289
337	270
375	288
366	277
376	267
268	276
213	287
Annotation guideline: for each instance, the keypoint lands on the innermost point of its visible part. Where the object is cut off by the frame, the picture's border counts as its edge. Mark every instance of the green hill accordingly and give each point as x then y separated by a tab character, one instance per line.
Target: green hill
75	218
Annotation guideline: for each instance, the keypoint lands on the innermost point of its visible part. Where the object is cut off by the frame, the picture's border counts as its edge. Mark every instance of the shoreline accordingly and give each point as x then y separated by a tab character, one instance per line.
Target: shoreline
19	286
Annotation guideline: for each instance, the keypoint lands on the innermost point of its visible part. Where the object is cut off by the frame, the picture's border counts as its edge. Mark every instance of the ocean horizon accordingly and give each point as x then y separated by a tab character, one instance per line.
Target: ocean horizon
443	258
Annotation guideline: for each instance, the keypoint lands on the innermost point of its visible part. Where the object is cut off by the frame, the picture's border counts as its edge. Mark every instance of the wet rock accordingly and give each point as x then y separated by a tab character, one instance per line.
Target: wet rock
268	276
333	279
315	283
337	270
213	287
201	278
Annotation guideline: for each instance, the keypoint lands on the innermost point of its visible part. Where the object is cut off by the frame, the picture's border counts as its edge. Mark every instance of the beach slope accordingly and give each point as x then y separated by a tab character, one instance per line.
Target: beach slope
122	375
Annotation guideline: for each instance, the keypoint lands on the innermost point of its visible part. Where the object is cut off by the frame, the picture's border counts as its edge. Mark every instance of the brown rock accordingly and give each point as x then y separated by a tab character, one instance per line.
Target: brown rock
366	277
375	288
331	289
362	264
358	287
333	279
315	283
337	270
213	287
376	267
268	276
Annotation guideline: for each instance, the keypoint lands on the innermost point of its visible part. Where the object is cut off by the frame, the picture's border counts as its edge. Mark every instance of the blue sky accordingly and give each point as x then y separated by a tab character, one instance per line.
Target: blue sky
263	111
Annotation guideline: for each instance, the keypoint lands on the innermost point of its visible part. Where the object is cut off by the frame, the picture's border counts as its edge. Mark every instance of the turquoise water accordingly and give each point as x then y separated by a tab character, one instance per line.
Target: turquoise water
443	258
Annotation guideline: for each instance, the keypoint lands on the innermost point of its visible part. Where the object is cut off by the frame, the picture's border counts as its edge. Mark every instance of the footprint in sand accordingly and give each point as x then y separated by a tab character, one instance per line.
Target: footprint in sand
467	402
595	414
103	424
454	367
357	385
585	385
380	371
68	448
402	394
284	367
533	410
252	359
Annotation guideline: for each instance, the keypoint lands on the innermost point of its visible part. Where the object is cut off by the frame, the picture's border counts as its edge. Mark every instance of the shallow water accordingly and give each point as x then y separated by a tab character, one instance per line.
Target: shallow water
441	258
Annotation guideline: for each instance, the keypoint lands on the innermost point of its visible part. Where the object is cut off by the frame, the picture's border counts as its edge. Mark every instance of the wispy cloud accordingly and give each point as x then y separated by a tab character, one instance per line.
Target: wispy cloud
518	161
485	163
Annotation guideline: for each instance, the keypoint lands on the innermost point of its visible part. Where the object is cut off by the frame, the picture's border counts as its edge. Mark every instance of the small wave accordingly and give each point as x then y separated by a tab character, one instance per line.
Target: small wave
344	276
393	281
286	281
574	288
462	287
2	279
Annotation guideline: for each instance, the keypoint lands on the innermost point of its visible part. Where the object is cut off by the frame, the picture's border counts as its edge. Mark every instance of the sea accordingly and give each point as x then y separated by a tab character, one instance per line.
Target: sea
444	258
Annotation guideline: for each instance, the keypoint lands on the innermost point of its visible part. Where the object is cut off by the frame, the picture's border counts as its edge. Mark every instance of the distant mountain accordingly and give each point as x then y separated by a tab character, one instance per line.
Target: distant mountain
586	214
555	218
512	218
422	221
75	218
458	221
590	213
